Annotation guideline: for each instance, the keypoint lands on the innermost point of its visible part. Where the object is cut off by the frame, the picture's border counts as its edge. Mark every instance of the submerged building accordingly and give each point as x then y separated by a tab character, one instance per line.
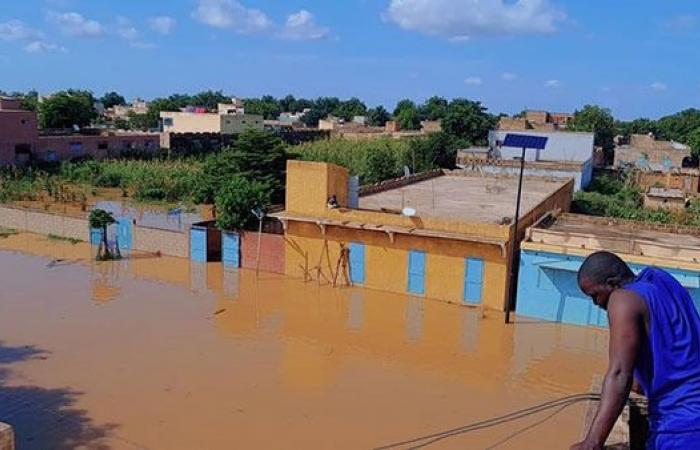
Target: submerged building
438	235
555	248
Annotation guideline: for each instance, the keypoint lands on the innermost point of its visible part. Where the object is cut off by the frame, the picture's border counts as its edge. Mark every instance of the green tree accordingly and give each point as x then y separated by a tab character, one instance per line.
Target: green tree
378	117
139	121
209	99
598	120
409	119
101	219
468	121
111	99
256	155
311	118
435	108
350	108
405	104
122	124
30	101
693	140
67	108
679	126
236	200
381	165
434	150
267	106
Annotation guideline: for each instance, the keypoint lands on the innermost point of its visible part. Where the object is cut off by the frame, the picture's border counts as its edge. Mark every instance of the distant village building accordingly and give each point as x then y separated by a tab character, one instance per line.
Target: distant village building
197	124
665	199
22	142
536	120
138	106
644	152
567	155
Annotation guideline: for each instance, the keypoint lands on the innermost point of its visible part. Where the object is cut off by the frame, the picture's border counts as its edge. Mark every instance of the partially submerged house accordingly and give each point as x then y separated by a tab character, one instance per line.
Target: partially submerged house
444	236
555	247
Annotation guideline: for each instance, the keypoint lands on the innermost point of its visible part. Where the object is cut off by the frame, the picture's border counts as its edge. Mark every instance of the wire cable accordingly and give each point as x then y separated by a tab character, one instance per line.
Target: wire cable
488	423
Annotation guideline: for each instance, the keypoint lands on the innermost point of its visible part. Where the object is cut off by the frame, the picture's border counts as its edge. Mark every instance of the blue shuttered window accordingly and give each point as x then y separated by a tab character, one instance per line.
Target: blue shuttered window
473	280
357	262
416	272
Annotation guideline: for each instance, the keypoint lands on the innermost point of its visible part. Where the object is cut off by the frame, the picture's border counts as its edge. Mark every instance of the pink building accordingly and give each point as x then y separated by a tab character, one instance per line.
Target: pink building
21	142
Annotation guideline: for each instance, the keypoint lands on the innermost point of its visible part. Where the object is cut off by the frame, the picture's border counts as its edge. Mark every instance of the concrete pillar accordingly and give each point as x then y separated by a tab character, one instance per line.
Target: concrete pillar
7	437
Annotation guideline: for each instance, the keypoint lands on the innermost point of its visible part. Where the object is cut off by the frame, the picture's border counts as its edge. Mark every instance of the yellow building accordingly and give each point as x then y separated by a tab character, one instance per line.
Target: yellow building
444	237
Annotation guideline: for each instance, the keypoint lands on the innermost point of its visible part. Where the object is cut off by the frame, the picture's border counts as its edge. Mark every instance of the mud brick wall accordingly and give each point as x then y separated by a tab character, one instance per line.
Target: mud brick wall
272	252
169	243
44	223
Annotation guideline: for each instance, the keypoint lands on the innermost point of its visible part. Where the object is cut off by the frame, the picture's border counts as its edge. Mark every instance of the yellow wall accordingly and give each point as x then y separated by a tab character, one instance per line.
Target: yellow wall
386	263
310	184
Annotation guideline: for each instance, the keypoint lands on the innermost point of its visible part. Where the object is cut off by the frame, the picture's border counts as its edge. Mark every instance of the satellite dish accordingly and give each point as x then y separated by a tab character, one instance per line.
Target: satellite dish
408	212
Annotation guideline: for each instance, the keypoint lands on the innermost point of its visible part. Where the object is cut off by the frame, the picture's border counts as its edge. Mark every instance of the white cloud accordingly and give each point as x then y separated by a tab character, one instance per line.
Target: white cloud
659	86
231	14
468	18
74	24
474	81
552	83
43	47
125	30
163	24
16	30
507	76
302	26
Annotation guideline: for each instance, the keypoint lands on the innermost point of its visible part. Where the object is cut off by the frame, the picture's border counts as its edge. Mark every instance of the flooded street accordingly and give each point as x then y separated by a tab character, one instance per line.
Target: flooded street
156	353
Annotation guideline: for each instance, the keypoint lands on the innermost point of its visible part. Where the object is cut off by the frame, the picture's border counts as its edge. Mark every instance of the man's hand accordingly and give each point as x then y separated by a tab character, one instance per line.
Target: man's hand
585	445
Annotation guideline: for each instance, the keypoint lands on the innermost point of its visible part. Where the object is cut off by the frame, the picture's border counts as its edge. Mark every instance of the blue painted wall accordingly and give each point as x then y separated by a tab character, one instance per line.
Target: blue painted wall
548	290
473	280
198	244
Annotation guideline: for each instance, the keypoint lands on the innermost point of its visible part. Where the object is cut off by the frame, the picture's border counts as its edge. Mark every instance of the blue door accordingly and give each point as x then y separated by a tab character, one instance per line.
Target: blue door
95	236
416	272
473	280
231	249
125	233
198	244
357	263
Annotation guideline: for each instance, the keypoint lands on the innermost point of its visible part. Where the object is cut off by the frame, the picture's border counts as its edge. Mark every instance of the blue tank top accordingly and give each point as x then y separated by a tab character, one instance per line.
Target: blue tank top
668	364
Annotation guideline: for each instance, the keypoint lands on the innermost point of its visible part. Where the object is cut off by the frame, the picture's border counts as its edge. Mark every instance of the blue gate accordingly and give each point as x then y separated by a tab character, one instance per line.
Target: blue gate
416	272
125	233
357	263
231	249
198	244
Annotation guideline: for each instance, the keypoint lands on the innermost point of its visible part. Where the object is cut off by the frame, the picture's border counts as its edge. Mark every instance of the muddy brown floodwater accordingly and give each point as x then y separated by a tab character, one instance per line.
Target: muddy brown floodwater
160	354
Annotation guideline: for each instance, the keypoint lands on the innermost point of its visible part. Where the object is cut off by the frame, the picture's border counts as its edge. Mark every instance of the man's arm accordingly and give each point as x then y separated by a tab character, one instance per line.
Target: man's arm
625	313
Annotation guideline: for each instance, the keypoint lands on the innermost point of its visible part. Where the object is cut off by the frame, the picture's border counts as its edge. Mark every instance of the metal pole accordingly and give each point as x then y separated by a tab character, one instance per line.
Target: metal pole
515	260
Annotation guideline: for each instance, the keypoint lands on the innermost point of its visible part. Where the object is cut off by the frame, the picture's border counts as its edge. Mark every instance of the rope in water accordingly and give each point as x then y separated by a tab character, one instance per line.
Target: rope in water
424	441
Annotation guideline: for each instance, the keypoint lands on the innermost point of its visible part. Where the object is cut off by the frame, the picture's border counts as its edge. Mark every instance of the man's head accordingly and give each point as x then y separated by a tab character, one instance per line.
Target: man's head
600	274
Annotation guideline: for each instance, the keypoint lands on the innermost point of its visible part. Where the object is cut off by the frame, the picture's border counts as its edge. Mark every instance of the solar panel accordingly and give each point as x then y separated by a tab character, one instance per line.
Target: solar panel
525	141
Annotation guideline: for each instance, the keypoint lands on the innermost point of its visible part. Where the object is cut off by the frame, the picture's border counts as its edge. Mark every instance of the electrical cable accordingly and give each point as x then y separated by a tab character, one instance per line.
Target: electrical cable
488	423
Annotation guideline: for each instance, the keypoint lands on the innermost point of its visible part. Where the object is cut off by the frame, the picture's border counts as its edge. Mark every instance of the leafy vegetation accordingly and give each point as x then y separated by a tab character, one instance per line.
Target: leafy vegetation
67	108
101	219
6	232
380	159
72	241
621	198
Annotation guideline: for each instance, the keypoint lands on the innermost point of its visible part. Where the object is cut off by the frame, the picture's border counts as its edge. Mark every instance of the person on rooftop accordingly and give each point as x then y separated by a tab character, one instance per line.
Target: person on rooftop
655	335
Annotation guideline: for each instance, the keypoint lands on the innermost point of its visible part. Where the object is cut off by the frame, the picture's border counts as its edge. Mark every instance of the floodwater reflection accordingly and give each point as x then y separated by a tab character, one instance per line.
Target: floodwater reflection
182	356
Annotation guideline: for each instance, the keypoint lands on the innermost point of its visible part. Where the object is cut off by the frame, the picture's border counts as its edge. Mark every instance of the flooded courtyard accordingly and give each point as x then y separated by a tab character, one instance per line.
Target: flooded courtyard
158	353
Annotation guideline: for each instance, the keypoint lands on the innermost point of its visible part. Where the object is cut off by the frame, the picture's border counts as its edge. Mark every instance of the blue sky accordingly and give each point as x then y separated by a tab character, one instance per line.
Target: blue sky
639	58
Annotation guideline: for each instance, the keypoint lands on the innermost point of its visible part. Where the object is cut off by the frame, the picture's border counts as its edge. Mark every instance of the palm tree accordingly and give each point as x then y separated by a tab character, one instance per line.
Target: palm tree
99	218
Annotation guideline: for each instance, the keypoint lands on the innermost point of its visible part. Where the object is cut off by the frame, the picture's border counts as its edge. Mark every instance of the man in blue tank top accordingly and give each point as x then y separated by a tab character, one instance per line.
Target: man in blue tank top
655	335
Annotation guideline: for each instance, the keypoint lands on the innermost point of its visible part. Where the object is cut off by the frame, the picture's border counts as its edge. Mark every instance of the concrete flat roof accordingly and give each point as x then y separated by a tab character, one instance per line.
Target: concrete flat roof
609	228
465	198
